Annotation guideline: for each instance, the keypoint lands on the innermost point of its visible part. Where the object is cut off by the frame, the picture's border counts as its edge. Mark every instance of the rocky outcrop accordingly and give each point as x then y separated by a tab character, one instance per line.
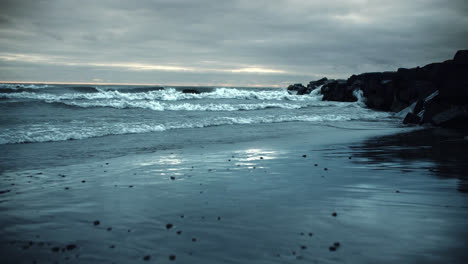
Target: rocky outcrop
437	92
337	90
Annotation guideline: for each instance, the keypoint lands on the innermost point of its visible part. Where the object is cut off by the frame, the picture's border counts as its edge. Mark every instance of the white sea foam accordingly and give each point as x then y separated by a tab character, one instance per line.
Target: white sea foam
160	106
171	94
50	132
361	100
22	86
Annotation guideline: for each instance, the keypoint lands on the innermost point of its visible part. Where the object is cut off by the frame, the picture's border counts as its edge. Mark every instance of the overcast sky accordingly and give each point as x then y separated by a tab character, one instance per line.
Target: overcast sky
215	42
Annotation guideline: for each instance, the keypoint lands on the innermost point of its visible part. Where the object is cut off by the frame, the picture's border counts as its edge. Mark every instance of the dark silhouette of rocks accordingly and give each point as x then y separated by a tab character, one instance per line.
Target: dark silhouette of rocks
436	94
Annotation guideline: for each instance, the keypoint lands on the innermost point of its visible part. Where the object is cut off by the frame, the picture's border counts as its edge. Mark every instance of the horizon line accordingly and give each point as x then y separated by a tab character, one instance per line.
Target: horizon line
146	84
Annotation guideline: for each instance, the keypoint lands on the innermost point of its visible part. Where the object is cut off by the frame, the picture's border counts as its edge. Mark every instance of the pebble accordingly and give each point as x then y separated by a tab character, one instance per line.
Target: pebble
310	234
109	228
179	232
83	181
71	246
325	169
304	156
169	226
334	214
315	164
147	257
261	157
336	244
332	248
219	218
172	178
194	240
172	257
96	222
303	247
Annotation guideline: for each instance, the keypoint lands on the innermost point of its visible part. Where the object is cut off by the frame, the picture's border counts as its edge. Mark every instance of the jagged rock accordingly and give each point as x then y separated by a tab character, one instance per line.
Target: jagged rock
337	90
314	84
411	119
437	92
298	88
453	117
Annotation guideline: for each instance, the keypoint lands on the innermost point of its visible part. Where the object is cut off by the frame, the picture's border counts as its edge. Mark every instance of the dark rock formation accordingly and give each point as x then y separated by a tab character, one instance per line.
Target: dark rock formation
300	89
437	92
337	90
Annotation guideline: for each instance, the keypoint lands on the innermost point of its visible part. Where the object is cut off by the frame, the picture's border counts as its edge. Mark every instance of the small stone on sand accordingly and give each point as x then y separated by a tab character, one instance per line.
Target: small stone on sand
334	214
83	181
310	234
96	222
304	156
332	248
179	232
146	258
172	257
303	247
109	228
71	246
172	178
194	240
169	226
336	244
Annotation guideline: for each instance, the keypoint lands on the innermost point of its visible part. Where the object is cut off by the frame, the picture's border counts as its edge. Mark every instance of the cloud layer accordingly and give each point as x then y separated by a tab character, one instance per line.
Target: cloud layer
269	42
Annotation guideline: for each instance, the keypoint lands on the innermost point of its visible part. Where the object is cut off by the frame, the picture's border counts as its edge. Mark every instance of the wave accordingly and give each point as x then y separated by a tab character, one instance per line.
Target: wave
158	106
85	89
137	89
23	86
78	131
15	90
171	94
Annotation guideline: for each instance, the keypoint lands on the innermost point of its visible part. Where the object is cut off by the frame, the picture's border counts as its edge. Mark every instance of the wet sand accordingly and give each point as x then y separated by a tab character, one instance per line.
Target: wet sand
333	196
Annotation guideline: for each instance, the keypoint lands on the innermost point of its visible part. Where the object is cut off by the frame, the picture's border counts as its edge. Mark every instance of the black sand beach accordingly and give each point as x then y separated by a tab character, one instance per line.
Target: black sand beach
333	195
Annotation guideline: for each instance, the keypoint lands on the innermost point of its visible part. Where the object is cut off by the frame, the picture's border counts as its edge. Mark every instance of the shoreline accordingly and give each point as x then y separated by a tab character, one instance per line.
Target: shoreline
253	201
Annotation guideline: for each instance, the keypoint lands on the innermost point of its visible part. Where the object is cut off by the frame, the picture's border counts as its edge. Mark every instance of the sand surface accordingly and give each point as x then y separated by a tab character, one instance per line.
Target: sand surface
277	200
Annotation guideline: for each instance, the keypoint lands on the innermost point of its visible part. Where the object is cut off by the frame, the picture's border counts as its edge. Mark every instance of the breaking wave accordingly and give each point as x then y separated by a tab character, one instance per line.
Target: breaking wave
170	94
61	133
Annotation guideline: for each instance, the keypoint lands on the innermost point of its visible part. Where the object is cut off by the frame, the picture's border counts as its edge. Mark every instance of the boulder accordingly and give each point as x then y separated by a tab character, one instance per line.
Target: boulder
411	118
337	90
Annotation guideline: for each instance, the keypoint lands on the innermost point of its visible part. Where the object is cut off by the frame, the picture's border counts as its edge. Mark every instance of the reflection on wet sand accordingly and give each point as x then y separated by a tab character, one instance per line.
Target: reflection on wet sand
442	152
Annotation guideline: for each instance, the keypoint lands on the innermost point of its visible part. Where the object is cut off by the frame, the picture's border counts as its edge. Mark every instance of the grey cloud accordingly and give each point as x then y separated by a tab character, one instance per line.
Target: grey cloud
305	38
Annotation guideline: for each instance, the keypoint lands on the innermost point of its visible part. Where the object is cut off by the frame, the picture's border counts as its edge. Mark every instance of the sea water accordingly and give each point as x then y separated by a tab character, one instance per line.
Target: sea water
69	123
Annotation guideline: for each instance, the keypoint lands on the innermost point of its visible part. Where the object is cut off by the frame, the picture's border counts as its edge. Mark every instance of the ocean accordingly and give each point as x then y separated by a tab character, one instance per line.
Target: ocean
130	174
72	122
